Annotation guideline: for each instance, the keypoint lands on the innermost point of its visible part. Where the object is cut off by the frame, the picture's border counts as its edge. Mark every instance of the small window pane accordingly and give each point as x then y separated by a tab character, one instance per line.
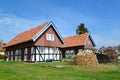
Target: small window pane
41	49
46	50
32	50
51	50
25	51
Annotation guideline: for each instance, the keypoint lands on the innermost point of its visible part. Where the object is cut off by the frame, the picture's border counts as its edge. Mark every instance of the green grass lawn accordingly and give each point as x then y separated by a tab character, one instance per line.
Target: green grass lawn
49	71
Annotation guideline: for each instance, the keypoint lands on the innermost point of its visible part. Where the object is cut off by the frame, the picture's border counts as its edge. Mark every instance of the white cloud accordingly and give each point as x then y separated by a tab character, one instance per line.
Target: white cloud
16	23
11	25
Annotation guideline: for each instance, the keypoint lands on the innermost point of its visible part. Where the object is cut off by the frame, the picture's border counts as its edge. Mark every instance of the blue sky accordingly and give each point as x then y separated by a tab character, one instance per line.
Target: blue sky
101	17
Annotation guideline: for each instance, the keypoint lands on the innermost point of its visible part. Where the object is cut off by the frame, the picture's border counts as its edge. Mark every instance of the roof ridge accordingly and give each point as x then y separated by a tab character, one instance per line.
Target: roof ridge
76	35
70	36
76	40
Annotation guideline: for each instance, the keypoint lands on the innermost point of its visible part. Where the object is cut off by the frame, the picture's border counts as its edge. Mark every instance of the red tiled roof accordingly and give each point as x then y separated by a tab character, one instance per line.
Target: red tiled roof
77	40
26	36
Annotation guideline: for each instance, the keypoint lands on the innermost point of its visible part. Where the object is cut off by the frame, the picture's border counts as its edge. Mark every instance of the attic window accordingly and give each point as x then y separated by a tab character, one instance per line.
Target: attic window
49	37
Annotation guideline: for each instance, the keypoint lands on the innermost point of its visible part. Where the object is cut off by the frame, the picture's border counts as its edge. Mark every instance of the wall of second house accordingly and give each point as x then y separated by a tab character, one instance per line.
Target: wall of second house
42	41
70	52
89	44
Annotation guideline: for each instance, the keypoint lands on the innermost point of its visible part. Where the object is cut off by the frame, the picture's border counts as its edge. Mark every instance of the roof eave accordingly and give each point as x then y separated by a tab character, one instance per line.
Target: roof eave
73	46
16	43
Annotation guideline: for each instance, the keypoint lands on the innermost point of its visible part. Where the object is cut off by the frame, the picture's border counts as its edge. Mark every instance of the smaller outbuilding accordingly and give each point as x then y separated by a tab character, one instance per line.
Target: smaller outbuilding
77	43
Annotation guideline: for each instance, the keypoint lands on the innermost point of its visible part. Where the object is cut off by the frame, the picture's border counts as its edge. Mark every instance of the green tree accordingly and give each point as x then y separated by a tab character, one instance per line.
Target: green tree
81	29
95	50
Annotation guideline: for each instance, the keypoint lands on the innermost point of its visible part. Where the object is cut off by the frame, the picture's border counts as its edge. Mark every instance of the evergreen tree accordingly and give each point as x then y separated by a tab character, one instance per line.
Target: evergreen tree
81	29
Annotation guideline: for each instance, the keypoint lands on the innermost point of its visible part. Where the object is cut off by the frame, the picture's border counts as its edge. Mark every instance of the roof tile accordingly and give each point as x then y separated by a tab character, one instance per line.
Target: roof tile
26	36
77	40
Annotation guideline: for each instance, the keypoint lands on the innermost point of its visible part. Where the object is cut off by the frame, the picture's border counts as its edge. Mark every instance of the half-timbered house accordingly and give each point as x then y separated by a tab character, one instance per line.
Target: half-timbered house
37	44
77	43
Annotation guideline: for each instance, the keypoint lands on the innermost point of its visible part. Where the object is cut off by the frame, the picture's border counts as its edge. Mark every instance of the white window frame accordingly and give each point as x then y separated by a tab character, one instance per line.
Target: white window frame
49	37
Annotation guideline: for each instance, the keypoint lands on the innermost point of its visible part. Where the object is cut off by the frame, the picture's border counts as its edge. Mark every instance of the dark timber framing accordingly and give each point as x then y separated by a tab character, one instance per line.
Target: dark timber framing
31	53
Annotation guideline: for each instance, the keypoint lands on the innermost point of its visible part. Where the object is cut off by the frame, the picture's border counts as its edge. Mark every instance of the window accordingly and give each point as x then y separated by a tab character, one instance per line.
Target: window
46	50
80	50
8	55
17	55
25	54
41	49
70	53
11	55
32	50
25	51
50	37
51	50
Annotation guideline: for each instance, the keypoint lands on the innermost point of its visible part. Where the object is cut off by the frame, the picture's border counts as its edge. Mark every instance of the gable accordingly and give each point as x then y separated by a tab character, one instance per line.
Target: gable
45	28
89	43
43	41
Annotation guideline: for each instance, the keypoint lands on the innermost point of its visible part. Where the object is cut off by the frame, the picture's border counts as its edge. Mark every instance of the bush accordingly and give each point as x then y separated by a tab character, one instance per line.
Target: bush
2	56
102	58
